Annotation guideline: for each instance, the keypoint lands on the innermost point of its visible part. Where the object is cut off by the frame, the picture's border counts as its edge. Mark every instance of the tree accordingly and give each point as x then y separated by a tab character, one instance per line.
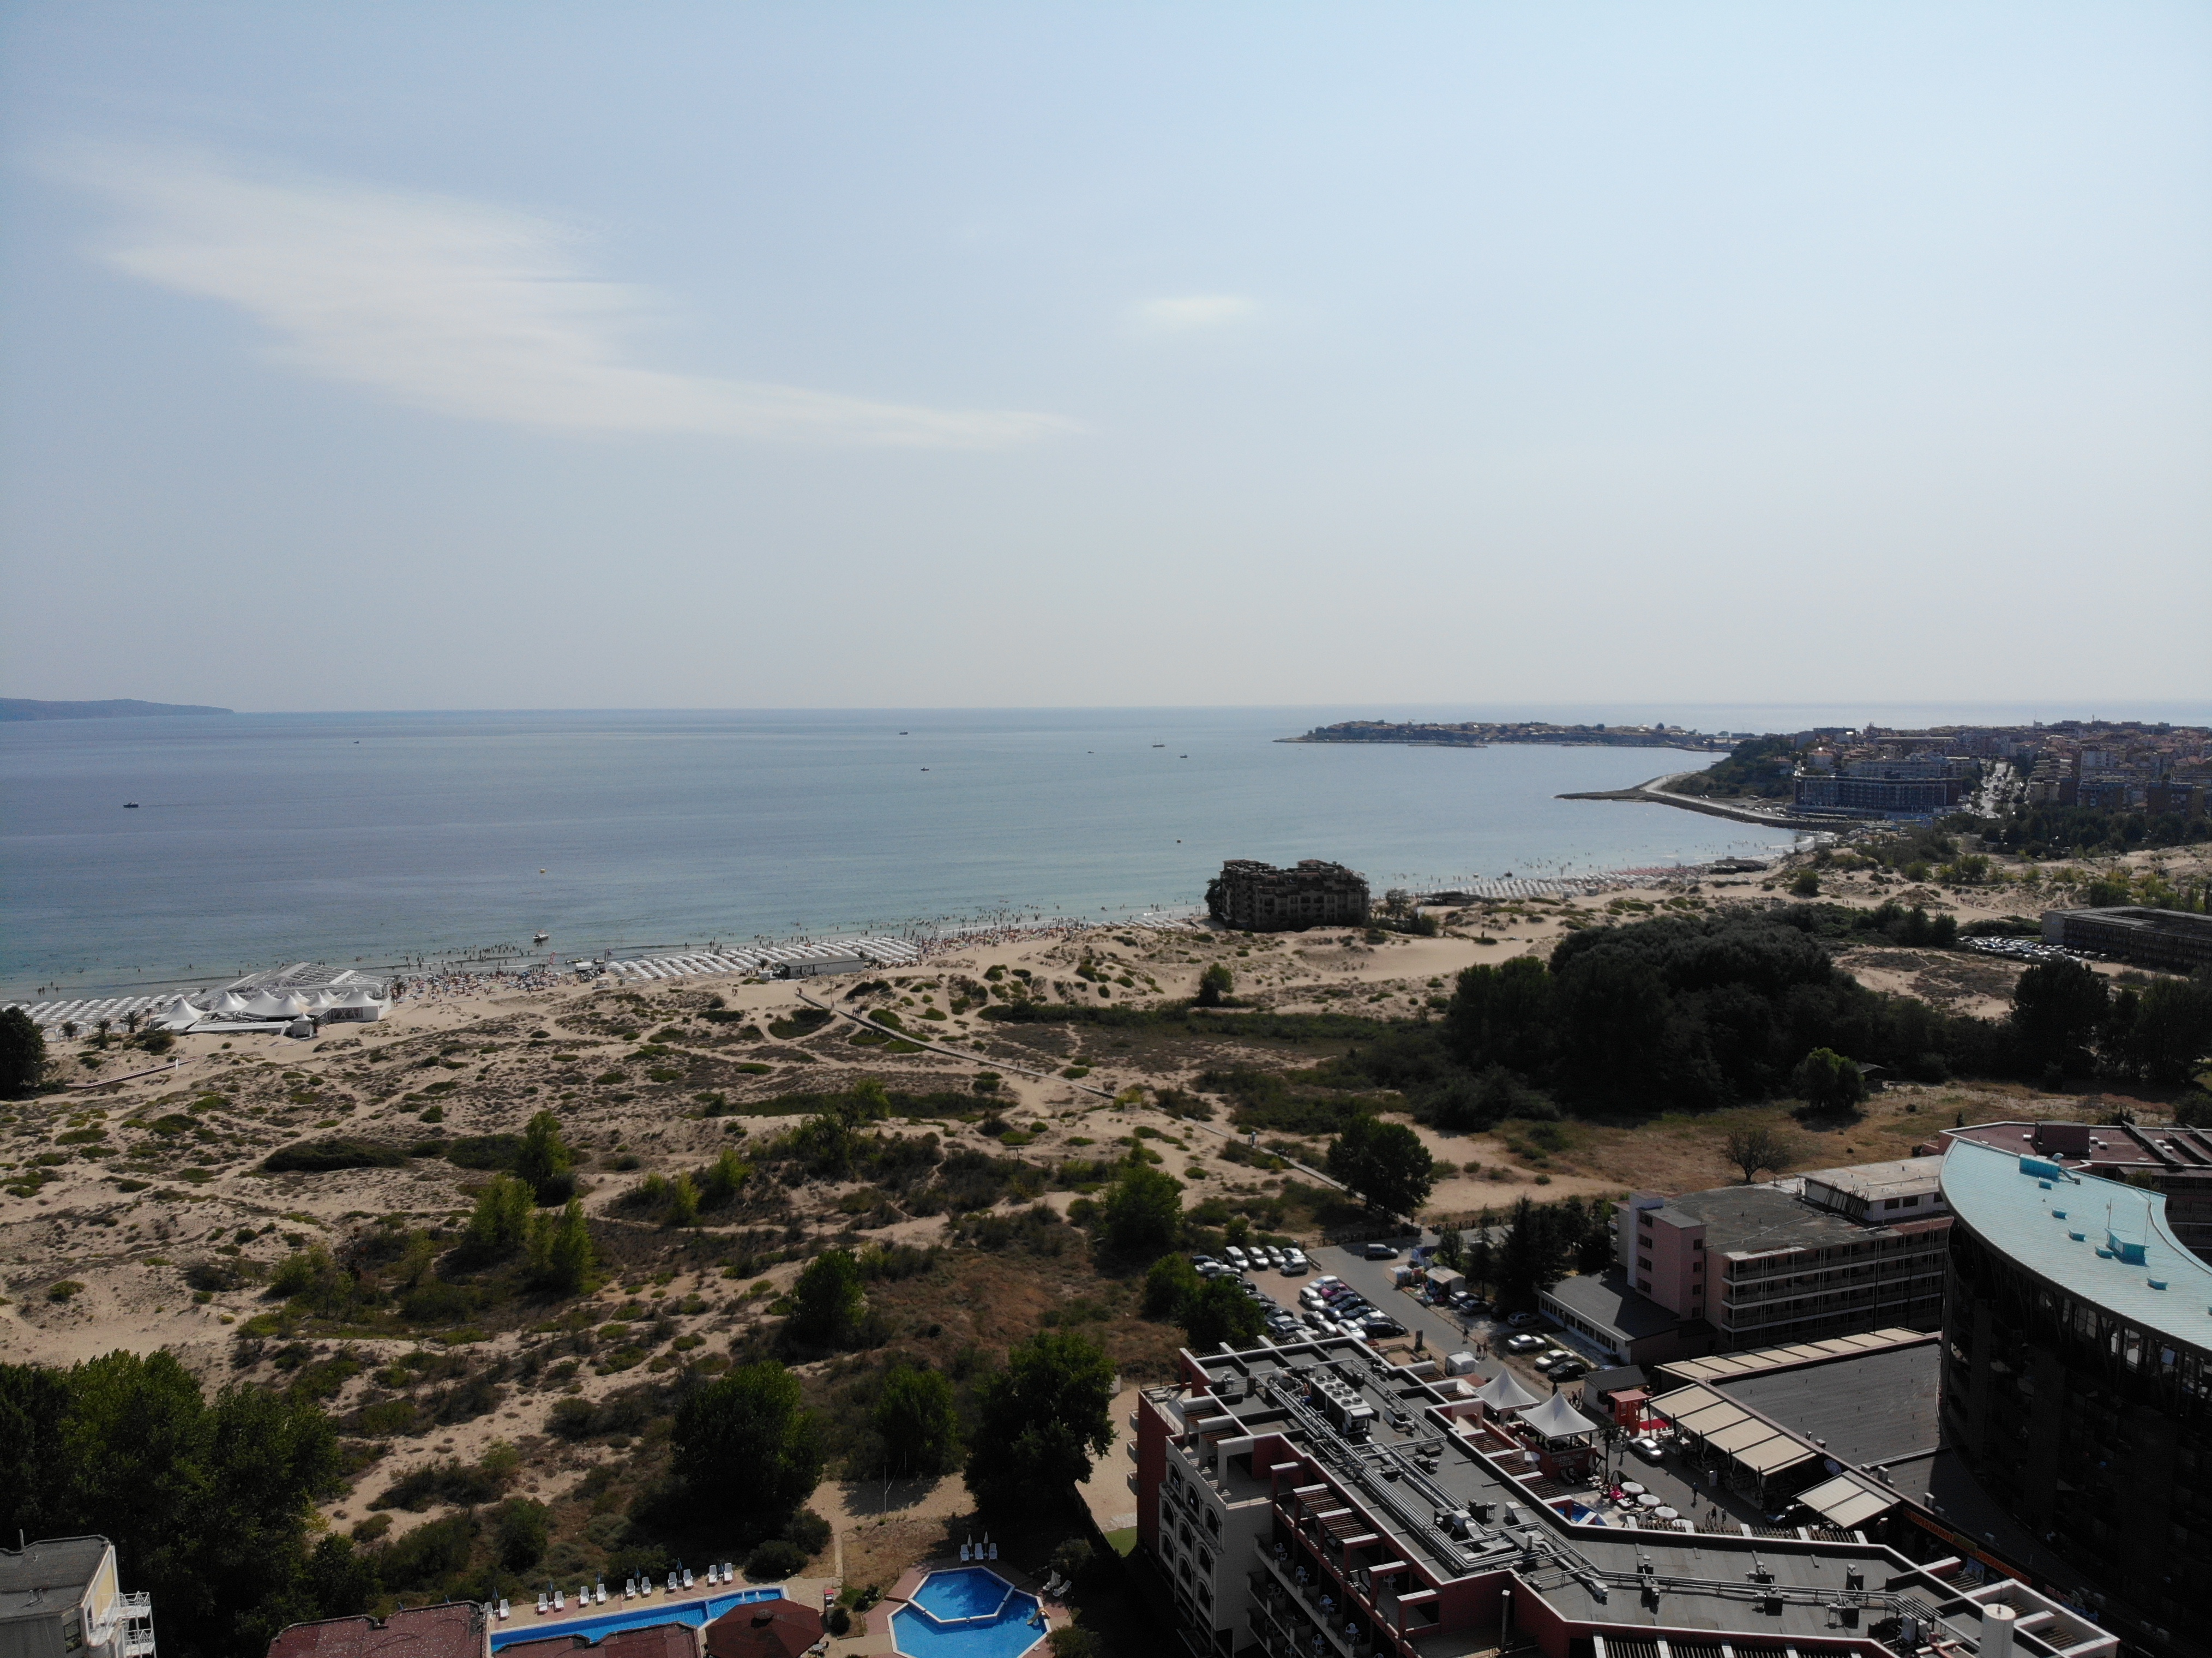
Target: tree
1753	1148
916	1419
561	1253
545	1160
1172	1282
1827	1082
1143	1213
1221	1312
747	1439
2171	1032
1532	1256
499	1223
525	1526
1040	1422
22	1055
2057	1010
1214	985
1501	1016
1385	1163
827	1301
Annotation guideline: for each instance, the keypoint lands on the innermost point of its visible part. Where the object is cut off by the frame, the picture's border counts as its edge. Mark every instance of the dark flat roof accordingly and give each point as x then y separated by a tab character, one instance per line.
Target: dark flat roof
1878	1407
57	1567
1754	1219
1609	1300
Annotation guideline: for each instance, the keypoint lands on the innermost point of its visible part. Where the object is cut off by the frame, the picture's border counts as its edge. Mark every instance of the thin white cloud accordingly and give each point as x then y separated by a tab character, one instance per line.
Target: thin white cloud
461	308
1187	312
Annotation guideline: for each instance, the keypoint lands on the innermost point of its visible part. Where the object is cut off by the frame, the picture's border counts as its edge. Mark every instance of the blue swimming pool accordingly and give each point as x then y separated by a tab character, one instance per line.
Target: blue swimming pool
526	1625
967	1613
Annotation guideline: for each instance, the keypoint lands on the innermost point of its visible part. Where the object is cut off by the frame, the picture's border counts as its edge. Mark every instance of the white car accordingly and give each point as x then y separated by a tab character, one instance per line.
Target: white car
1236	1257
1274	1256
1647	1448
1294	1262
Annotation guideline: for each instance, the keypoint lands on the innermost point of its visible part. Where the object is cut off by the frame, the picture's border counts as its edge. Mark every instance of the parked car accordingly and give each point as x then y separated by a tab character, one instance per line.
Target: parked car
1647	1448
1524	1344
1327	1280
1236	1257
1521	1321
1381	1252
1383	1327
1274	1256
1573	1370
1294	1260
1557	1356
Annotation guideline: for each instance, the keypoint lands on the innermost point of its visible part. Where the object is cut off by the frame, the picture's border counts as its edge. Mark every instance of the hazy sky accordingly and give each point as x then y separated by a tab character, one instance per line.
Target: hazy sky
470	355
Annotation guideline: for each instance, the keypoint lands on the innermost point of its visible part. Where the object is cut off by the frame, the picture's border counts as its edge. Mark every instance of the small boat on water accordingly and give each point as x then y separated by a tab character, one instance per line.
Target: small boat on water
540	938
130	805
1159	746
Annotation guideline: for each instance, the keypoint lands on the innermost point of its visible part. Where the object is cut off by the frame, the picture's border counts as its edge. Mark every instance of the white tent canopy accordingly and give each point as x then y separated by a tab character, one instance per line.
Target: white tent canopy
1503	1392
1557	1419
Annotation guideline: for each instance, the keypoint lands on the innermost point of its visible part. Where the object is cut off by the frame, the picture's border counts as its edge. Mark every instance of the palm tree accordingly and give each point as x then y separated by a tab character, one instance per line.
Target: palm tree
103	1024
131	1020
68	1030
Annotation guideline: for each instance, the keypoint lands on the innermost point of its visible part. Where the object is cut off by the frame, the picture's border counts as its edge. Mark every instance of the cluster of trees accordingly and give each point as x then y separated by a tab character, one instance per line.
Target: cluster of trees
1758	766
1210	1310
1531	1248
2049	830
23	1055
2069	1021
208	1501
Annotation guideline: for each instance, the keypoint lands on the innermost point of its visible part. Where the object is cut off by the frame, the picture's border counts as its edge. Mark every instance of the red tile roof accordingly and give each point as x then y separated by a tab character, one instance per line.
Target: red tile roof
454	1630
766	1629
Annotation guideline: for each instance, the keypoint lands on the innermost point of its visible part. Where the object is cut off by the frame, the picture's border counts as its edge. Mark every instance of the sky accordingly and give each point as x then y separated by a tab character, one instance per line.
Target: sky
470	355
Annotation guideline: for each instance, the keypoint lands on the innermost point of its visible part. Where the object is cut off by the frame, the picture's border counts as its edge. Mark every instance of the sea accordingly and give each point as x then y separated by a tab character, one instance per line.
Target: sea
431	839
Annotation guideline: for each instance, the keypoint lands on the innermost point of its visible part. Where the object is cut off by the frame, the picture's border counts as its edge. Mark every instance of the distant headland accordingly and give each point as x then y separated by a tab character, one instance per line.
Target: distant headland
121	708
1474	734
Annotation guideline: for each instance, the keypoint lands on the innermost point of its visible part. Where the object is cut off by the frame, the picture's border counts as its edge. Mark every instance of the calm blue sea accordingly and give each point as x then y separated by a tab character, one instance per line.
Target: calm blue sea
264	838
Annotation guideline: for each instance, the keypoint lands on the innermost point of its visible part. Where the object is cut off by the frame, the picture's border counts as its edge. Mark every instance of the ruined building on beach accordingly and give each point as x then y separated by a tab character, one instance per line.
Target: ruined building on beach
1258	897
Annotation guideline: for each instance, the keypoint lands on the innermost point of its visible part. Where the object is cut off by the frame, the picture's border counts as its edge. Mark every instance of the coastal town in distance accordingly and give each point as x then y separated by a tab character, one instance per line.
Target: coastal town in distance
1790	1254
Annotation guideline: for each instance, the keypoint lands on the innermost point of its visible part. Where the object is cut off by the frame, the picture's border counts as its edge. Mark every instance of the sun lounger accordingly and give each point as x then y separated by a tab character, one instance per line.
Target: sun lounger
599	1594
994	1551
541	1606
560	1603
729	1570
963	1551
671	1582
502	1612
687	1577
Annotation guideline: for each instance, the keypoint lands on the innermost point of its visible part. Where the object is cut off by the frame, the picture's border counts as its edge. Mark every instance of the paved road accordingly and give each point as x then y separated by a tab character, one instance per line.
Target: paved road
1442	1334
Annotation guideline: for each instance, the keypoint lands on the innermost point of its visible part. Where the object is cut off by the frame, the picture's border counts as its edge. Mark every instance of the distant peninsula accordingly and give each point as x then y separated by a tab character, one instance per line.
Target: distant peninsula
1475	734
121	708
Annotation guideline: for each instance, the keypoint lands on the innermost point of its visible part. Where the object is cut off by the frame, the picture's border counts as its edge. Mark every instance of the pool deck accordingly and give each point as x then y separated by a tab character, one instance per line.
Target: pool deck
877	1636
525	1624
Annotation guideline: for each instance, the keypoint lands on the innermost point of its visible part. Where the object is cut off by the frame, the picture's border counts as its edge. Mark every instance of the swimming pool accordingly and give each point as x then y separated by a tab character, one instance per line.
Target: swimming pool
641	1615
967	1613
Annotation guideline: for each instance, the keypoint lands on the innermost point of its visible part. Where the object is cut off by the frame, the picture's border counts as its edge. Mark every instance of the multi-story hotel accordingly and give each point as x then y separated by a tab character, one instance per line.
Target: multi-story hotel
1315	1502
2077	1379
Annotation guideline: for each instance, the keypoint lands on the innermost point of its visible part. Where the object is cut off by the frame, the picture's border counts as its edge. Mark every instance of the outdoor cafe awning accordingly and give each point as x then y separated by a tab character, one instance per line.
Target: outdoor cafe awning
1847	1503
1751	1442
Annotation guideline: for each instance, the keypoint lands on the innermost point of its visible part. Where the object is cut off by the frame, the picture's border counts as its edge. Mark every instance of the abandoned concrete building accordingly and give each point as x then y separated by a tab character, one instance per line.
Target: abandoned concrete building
1258	897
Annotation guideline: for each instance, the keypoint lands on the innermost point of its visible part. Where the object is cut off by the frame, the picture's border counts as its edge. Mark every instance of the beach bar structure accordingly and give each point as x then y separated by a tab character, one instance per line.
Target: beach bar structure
297	999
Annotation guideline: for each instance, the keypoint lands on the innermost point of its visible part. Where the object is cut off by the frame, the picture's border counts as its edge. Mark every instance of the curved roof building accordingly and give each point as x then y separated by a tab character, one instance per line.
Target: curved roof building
2077	1380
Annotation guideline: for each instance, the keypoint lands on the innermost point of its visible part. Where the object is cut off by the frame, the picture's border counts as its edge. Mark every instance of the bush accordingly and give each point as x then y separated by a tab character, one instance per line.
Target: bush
776	1558
23	1055
325	1155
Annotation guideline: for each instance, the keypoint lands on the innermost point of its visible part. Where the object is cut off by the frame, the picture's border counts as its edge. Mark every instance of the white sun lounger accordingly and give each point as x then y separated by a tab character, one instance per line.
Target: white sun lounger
502	1612
542	1608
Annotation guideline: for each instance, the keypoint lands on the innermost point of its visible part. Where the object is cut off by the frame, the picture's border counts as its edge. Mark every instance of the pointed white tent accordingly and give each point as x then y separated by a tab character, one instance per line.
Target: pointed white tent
1557	1419
1503	1392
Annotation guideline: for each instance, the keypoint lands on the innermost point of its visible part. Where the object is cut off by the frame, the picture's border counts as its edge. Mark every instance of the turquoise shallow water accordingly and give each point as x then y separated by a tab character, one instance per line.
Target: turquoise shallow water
1005	1624
265	838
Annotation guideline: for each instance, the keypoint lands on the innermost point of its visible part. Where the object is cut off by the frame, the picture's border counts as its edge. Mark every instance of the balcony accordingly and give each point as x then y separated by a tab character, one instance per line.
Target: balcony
1297	1608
